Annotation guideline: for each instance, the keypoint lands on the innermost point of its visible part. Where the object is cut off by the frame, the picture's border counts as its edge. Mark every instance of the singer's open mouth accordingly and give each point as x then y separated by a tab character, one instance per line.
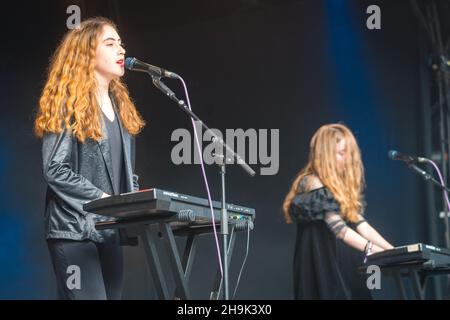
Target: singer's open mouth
120	62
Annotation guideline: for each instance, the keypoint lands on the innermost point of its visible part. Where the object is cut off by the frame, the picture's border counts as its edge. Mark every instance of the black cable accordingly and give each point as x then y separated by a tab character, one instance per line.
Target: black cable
245	259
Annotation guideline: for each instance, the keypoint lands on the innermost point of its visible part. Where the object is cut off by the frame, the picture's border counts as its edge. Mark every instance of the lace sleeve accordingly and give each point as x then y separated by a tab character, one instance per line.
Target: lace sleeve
361	220
336	224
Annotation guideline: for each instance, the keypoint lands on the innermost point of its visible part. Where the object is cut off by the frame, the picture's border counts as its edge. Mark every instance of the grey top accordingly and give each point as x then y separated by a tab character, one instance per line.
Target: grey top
115	142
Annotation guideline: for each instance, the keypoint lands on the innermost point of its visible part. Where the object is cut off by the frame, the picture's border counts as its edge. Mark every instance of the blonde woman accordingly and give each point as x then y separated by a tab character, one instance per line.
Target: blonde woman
88	123
326	203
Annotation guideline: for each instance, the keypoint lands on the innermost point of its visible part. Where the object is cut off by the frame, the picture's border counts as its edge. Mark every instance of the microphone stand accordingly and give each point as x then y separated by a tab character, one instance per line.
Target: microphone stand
222	160
427	176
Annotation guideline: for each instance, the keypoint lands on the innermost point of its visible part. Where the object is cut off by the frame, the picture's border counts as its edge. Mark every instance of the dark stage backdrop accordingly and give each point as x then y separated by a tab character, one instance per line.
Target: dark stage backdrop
287	65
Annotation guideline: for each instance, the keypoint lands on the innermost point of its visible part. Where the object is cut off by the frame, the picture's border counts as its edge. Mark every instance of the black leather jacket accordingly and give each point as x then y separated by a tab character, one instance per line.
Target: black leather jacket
77	173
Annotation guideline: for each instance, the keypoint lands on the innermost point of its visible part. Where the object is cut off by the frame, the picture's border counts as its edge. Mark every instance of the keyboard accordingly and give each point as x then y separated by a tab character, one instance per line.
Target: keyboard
157	204
418	253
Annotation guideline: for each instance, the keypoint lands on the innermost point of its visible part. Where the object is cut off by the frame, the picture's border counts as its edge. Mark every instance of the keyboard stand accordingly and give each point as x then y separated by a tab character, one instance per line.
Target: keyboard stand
413	272
152	232
418	273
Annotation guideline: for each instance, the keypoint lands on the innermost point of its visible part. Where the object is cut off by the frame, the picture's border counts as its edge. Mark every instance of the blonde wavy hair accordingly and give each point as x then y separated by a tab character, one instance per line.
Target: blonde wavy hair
69	100
346	185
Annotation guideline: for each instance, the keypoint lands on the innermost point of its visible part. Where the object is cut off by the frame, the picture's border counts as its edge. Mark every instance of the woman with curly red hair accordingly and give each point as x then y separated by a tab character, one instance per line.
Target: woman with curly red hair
87	122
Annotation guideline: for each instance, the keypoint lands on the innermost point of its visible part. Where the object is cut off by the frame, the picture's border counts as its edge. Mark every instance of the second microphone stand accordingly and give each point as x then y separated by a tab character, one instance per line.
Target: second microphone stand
443	187
427	176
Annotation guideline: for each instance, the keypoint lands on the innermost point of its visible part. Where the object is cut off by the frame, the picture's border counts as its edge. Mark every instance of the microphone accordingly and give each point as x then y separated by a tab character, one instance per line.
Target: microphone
395	155
134	64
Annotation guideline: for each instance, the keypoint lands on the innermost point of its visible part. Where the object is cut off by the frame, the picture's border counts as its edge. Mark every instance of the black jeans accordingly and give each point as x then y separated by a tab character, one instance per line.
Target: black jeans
99	267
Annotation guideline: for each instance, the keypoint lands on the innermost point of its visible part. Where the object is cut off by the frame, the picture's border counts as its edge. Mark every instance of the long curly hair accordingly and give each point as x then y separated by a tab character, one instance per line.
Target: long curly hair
68	99
346	185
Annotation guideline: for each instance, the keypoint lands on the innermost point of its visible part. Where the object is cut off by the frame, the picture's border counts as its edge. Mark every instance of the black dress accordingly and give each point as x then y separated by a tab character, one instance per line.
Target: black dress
324	266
